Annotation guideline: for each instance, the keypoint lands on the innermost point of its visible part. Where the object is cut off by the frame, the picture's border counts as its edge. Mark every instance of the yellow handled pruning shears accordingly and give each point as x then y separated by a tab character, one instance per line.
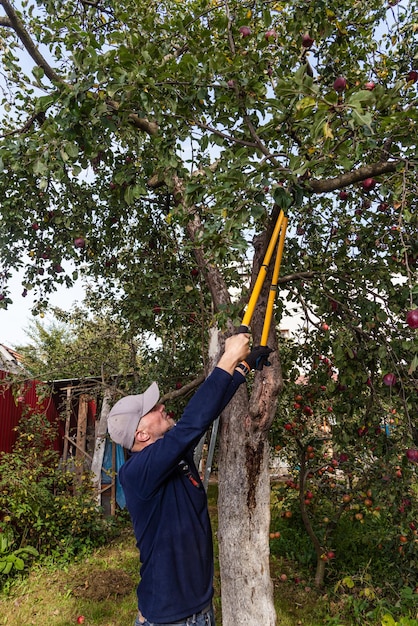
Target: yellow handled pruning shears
279	229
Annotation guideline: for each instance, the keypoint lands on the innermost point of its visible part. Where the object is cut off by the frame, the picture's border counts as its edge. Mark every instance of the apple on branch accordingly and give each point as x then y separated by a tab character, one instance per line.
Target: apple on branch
270	34
369	85
369	184
245	31
340	84
412	455
307	40
79	242
389	380
412	318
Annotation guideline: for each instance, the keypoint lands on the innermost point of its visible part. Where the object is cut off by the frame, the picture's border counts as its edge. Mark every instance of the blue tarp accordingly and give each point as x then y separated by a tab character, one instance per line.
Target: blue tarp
107	467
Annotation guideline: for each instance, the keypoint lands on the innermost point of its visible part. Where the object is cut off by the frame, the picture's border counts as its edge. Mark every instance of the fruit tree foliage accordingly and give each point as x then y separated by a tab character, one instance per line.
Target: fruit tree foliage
136	136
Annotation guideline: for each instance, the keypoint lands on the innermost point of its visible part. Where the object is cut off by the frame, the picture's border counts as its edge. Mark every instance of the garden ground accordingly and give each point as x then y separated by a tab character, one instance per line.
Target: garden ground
101	589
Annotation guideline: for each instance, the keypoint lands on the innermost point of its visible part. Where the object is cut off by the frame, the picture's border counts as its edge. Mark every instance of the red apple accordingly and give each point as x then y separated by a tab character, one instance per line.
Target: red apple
343	195
156	310
245	31
35	226
369	85
412	318
178	385
412	76
389	380
412	455
307	40
80	619
340	84
79	242
368	184
331	554
231	83
270	34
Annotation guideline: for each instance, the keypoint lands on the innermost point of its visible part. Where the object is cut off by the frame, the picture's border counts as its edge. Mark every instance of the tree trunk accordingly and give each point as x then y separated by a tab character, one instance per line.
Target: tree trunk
244	486
244	520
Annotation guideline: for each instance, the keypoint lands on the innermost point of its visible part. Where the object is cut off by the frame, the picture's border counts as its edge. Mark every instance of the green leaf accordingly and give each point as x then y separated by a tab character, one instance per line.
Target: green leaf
19	564
362	119
305	103
413	366
7	568
71	149
38	72
348	582
39	167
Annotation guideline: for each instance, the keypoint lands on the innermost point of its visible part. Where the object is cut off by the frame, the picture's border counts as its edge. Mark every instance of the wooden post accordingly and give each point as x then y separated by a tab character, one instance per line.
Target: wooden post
81	434
67	424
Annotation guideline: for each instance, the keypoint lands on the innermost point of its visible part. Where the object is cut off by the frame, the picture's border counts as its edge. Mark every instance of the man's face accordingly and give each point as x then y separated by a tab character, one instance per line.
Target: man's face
156	422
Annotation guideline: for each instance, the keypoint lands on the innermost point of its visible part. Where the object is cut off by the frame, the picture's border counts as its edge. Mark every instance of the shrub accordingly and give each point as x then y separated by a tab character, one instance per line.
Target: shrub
41	502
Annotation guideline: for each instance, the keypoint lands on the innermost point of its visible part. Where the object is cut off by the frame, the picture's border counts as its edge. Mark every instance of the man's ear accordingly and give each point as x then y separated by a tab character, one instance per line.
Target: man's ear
142	436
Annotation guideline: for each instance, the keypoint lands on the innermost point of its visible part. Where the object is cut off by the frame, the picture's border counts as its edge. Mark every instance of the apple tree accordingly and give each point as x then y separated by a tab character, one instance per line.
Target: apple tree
150	147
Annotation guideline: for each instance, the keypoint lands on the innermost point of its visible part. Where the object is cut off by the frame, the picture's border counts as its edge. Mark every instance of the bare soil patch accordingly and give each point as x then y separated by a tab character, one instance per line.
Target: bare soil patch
103	584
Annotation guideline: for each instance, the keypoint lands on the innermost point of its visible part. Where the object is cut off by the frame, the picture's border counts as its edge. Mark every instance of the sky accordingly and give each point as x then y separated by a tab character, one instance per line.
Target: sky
16	319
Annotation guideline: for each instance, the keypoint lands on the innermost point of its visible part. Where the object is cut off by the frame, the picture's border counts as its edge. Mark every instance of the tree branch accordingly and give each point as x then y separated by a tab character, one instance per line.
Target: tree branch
25	38
350	178
297	276
177	393
219	133
13	21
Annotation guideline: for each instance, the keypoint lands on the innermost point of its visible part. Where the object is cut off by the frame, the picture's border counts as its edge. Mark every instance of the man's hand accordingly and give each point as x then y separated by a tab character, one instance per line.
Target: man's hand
237	348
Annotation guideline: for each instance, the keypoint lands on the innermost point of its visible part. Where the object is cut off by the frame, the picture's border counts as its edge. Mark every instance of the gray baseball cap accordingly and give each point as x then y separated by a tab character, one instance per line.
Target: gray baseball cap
126	414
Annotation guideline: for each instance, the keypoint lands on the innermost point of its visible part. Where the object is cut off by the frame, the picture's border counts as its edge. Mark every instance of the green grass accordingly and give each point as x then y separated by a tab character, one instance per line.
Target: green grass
58	595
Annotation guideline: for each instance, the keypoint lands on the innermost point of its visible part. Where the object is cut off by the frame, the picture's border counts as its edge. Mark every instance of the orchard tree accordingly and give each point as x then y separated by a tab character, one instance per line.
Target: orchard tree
151	145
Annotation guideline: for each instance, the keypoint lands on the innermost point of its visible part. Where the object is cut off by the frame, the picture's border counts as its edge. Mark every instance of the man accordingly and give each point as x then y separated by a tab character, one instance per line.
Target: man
164	494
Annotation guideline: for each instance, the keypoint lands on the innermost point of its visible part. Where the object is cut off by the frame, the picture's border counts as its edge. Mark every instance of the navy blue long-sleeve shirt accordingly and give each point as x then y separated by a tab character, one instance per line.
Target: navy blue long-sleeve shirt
168	506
